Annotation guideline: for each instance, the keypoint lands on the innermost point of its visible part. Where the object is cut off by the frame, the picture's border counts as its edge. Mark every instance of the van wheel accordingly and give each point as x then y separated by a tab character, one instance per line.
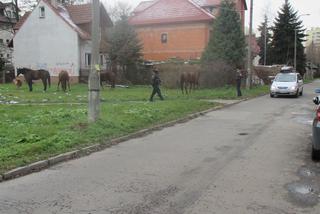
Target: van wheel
301	92
297	94
315	155
271	95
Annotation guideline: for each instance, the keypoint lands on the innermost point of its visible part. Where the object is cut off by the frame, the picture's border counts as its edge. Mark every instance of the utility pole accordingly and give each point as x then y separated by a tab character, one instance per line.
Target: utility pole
249	77
265	44
94	76
295	49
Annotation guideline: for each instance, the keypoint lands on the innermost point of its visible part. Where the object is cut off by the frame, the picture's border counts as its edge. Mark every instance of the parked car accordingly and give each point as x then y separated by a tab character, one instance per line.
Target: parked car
287	82
316	129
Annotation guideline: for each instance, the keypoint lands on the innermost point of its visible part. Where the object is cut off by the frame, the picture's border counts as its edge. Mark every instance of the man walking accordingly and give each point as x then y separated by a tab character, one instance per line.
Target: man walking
238	79
156	81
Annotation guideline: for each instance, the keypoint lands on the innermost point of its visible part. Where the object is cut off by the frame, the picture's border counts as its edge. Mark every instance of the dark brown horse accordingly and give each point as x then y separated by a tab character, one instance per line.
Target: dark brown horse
108	76
64	80
30	75
189	79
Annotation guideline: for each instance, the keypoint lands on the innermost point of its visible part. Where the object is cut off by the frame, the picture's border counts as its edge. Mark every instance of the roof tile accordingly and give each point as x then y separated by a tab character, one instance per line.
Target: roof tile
171	11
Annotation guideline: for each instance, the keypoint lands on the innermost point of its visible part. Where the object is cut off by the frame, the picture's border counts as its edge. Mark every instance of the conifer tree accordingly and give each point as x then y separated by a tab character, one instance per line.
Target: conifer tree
283	41
264	41
227	42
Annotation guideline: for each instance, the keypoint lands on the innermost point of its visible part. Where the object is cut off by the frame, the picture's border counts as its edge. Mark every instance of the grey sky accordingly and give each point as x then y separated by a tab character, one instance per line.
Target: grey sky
311	7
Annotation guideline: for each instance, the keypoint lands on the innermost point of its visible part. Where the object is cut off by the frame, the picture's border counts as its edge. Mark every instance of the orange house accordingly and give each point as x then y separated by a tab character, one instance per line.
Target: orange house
176	28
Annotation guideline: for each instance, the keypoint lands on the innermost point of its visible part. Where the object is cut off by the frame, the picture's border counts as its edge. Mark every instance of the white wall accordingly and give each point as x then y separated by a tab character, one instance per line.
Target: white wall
47	43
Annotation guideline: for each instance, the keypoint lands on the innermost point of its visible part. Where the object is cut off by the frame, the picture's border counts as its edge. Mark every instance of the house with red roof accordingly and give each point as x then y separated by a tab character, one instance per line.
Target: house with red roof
57	37
177	28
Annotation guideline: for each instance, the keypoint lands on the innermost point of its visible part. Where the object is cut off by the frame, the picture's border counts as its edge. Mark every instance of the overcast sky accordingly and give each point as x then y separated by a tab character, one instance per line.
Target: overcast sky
311	7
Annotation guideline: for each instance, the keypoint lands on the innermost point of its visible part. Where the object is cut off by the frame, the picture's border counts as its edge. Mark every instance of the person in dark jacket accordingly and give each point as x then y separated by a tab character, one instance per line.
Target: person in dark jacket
238	79
156	81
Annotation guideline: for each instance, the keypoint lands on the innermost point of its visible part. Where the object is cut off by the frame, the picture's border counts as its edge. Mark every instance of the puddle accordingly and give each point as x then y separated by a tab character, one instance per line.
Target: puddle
303	189
303	194
305	172
305	120
243	134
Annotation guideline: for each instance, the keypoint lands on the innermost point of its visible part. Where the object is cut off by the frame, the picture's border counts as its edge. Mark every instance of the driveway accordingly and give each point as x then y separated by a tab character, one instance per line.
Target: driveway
253	157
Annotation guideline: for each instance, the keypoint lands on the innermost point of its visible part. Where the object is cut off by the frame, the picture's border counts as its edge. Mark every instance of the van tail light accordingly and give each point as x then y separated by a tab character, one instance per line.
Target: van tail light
318	113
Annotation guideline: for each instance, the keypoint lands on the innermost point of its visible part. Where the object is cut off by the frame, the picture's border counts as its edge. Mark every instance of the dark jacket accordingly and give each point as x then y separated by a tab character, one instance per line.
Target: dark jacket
156	81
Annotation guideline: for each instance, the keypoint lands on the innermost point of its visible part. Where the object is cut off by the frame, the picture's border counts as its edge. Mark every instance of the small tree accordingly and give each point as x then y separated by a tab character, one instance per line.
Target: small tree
286	26
125	45
227	42
264	41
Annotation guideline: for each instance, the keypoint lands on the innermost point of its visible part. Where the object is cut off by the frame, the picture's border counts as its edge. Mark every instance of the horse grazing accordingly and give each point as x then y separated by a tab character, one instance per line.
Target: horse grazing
190	79
64	79
30	75
108	76
17	82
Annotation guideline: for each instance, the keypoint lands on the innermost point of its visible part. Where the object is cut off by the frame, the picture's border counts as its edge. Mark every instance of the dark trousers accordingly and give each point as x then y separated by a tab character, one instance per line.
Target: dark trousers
239	88
156	90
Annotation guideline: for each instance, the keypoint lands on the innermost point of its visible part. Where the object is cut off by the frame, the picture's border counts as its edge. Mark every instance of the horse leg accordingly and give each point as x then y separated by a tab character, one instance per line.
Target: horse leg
30	85
181	86
69	85
58	84
44	81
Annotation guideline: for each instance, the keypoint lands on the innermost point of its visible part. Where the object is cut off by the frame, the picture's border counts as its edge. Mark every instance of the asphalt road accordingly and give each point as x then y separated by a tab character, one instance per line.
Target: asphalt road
253	157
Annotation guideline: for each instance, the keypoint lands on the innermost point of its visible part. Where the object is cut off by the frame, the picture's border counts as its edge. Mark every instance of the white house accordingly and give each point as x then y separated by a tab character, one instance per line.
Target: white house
56	37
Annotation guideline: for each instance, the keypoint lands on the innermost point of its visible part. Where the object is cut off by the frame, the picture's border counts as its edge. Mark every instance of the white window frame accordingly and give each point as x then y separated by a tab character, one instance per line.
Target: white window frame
88	59
42	12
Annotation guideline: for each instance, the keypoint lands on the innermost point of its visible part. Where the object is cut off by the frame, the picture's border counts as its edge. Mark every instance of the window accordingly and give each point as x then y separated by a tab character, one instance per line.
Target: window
41	12
1	55
164	38
7	41
9	14
1	41
8	55
88	59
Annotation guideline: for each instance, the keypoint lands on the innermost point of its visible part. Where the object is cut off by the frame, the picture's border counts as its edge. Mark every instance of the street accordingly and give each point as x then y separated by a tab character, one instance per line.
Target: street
252	157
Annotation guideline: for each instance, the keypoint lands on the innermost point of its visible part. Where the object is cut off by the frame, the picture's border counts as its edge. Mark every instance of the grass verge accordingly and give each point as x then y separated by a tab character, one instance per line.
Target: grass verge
38	125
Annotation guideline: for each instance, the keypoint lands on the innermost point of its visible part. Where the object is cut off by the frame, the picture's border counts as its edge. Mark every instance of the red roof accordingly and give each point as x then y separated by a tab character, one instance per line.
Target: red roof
170	11
204	3
143	5
80	14
21	21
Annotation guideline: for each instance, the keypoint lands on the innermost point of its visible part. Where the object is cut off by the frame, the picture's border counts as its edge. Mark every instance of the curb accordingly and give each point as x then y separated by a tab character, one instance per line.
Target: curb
40	165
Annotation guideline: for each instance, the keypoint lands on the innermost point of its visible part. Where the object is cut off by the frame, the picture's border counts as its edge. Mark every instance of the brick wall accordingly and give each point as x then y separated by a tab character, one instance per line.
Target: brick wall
186	41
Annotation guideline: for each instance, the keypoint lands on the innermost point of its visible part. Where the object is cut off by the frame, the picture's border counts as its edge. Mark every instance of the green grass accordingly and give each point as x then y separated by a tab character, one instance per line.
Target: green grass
40	125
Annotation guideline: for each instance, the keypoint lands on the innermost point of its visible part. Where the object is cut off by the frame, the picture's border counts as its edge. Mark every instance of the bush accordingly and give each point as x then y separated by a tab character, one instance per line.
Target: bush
265	72
217	74
170	73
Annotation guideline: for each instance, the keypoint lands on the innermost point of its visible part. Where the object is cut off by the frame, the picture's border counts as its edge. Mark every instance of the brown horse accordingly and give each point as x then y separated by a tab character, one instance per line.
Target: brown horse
108	76
64	79
30	75
190	79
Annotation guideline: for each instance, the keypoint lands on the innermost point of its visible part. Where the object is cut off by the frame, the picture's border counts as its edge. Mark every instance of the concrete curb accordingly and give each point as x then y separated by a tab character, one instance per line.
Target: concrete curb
37	166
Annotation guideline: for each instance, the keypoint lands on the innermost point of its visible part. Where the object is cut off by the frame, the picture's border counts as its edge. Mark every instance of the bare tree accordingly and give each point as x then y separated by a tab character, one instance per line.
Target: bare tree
119	10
